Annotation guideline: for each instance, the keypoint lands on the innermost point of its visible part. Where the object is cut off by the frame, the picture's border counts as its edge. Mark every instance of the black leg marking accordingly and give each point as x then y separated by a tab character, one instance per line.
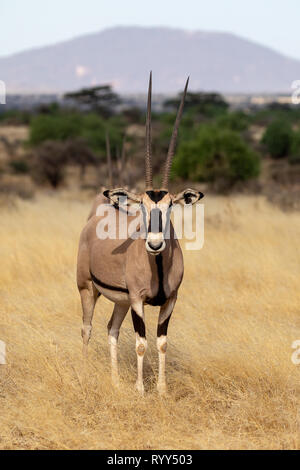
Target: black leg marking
138	324
163	327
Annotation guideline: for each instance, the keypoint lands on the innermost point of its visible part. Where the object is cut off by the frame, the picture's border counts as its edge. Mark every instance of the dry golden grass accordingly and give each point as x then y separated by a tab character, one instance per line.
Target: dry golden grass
231	380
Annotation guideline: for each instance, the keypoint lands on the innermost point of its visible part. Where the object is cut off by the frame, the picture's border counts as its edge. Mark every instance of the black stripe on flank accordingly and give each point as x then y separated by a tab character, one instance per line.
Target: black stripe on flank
160	298
156	196
138	324
163	328
107	286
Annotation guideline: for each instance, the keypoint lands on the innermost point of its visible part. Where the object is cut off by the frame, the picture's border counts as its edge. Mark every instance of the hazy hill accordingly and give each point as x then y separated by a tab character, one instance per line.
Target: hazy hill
123	56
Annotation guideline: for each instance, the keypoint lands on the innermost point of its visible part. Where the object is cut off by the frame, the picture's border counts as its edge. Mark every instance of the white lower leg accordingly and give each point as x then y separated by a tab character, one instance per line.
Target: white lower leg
86	331
162	348
113	346
140	347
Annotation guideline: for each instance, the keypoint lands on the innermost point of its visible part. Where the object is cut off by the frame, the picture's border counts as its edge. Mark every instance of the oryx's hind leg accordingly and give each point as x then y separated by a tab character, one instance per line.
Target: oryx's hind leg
162	329
113	328
89	296
138	319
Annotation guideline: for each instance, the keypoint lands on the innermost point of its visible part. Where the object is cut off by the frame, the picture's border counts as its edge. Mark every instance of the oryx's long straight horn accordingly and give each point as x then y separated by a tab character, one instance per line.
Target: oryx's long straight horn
108	157
148	154
172	145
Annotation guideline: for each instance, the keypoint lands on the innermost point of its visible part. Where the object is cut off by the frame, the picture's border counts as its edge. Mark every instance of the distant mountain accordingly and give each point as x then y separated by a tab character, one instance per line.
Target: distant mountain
123	57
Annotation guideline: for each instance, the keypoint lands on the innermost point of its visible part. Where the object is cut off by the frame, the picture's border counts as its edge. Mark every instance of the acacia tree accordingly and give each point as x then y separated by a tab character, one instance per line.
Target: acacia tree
100	99
76	151
207	104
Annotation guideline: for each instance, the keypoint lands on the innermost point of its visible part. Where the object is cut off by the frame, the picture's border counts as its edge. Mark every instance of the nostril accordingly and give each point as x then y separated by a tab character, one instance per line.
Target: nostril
155	247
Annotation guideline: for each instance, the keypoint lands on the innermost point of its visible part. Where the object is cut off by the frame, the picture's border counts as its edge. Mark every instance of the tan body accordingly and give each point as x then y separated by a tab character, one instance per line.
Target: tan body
133	272
130	265
131	268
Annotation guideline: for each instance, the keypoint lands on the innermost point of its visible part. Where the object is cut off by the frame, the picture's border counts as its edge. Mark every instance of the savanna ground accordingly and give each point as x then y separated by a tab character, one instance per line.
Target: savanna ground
231	380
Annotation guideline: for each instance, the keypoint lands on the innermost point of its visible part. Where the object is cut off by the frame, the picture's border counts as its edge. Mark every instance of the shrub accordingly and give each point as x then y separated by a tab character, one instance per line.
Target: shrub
77	152
49	163
14	186
216	154
206	104
46	127
278	138
236	121
90	127
19	166
15	117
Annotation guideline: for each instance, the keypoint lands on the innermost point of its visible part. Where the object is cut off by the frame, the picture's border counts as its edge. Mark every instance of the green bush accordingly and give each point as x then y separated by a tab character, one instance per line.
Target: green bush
278	138
15	117
19	166
90	127
45	127
216	154
236	121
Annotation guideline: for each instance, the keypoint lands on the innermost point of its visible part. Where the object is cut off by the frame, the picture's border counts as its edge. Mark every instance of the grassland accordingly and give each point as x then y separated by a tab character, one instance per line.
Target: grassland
232	383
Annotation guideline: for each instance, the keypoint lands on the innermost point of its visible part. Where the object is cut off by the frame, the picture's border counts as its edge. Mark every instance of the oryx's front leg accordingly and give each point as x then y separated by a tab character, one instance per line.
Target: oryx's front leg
89	296
113	328
138	319
162	329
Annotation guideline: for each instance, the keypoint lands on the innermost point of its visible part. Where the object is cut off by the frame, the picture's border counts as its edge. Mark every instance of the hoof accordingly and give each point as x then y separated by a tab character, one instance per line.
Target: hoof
162	389
115	381
140	388
85	351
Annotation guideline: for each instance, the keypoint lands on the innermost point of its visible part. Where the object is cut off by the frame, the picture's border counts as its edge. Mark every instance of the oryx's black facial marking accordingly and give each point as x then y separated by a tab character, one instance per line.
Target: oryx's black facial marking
160	297
156	195
155	221
138	324
163	328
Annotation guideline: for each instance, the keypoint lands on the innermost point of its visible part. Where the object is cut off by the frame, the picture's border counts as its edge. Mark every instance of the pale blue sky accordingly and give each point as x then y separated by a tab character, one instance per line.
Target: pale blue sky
30	23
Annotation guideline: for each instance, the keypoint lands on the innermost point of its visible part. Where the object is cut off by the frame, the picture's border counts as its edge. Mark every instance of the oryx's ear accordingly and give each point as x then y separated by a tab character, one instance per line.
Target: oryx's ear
121	196
188	196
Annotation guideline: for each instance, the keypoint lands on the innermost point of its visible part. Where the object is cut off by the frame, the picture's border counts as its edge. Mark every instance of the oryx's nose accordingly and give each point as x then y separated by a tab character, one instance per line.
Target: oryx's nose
155	245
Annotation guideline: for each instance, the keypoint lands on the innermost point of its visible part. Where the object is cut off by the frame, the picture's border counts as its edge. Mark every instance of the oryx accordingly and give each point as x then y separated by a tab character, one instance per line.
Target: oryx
133	272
